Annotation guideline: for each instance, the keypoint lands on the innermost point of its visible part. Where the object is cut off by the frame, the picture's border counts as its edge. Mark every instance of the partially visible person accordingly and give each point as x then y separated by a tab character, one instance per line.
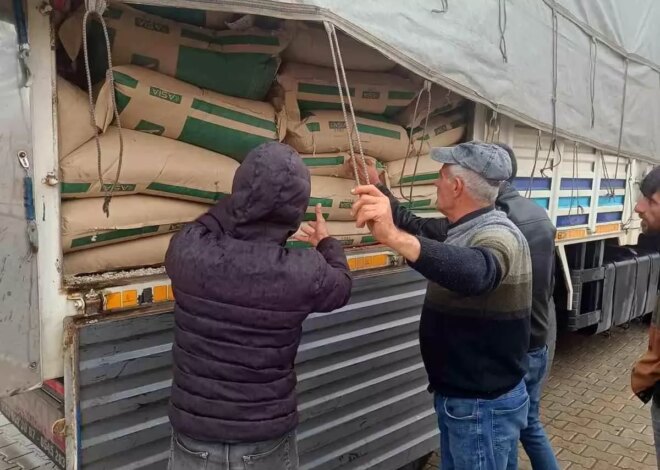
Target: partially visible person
475	324
646	373
537	228
241	298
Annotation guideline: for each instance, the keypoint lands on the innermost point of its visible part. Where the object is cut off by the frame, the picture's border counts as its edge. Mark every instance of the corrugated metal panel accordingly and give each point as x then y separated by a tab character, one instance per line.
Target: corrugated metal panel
362	387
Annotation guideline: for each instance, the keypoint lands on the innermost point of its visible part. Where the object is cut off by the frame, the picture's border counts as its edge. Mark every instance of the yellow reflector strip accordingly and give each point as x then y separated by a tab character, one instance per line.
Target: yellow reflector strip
129	298
160	293
608	228
113	300
358	263
571	234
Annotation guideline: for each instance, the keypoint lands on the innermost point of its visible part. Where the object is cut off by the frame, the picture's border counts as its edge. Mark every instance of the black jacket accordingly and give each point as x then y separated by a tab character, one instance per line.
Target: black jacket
241	298
535	225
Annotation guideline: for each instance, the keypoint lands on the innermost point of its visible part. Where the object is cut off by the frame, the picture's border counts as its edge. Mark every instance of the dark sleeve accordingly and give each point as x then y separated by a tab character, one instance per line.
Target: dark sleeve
467	271
336	280
435	229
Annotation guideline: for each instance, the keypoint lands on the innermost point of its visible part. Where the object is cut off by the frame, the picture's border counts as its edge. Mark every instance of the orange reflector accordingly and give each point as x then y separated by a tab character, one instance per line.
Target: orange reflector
571	234
160	293
608	228
129	298
359	263
113	300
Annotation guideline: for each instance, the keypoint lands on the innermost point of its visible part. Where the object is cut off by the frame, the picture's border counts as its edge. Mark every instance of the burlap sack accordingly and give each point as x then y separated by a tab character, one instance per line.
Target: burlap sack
444	130
325	132
424	198
442	102
151	165
207	19
412	170
334	195
336	164
346	232
310	88
85	225
235	63
139	253
152	102
74	126
310	45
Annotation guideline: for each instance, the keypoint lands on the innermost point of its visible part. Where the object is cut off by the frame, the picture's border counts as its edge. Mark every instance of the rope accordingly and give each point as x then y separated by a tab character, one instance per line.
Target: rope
443	9
555	33
610	188
623	115
493	127
411	143
528	193
339	64
593	62
97	11
502	20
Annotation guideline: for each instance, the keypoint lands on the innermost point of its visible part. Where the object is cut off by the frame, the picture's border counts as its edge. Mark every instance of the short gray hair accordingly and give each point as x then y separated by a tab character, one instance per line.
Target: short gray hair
477	186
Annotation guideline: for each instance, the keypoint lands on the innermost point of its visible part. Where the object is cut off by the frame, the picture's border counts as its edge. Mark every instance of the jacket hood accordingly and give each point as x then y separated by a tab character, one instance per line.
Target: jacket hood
270	194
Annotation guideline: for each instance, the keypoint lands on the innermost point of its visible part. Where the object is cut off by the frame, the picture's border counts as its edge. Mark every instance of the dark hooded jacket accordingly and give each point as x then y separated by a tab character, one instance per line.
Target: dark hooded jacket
241	298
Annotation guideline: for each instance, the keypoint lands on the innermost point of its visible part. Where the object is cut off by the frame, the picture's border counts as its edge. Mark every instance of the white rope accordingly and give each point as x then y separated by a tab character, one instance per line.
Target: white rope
95	8
338	63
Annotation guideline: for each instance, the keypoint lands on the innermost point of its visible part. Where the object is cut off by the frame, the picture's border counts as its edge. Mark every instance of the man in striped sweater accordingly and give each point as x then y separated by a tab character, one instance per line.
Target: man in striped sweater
475	324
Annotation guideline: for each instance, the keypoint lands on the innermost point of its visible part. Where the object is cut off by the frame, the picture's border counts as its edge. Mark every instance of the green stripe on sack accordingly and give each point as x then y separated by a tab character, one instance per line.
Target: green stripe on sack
119	187
113	235
122	101
367	129
237	116
323	89
324	161
235	40
112	13
184	191
368	239
400	95
225	140
306	105
419	177
74	188
149	128
393	110
325	202
313	127
124	79
309	217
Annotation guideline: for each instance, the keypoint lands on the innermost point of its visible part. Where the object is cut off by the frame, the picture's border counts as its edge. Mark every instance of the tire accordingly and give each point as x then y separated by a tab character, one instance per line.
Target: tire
552	334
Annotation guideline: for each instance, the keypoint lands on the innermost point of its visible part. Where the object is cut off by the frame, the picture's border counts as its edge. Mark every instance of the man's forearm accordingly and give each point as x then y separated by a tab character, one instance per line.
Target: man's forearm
406	245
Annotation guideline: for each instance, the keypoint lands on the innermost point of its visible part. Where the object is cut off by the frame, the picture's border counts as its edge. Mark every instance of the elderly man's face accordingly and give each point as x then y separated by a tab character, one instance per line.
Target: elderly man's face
648	209
447	190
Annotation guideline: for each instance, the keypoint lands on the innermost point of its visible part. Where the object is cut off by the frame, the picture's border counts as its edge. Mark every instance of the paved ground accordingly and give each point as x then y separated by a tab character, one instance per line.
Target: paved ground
17	452
593	419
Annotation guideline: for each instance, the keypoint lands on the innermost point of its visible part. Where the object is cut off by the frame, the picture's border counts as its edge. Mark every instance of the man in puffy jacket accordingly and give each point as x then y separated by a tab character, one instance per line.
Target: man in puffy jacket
241	298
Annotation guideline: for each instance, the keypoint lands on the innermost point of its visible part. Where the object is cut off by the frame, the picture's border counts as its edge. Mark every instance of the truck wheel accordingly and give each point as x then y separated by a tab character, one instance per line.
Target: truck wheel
552	334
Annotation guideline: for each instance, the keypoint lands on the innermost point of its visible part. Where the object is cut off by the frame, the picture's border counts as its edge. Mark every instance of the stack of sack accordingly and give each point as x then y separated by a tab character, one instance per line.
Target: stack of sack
412	177
191	99
306	90
195	94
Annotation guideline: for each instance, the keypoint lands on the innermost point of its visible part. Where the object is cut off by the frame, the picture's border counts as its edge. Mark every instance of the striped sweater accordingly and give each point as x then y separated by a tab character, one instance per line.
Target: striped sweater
475	325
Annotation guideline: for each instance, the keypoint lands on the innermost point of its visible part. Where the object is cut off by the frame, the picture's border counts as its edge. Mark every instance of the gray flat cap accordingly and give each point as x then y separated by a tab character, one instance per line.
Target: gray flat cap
490	161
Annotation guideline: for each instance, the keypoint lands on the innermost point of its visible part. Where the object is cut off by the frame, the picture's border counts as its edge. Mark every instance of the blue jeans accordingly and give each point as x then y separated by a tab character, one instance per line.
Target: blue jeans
478	434
189	454
533	437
